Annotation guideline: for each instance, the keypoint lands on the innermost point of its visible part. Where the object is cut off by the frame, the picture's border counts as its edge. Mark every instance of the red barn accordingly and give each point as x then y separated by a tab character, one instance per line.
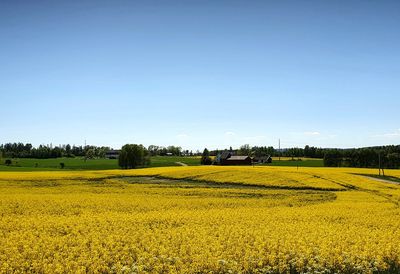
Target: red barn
227	159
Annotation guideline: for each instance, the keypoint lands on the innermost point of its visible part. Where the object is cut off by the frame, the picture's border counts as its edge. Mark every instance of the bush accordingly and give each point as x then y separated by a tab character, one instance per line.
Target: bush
62	165
205	158
8	162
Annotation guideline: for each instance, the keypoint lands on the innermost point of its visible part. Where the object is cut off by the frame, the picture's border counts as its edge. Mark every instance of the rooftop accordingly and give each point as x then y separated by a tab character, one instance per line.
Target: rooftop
237	158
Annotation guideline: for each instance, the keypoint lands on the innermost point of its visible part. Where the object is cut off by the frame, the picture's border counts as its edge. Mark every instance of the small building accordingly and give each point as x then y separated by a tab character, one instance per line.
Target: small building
262	160
112	154
237	160
227	158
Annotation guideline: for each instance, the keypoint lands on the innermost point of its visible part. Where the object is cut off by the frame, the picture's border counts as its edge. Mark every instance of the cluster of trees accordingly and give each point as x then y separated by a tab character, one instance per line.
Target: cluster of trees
169	150
21	150
370	157
260	151
255	151
133	156
307	151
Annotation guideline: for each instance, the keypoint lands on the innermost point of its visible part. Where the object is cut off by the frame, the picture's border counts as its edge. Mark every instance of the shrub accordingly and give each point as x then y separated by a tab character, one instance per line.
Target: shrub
205	158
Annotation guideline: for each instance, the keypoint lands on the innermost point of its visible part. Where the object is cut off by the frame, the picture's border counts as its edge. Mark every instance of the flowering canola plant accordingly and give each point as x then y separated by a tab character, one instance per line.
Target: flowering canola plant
199	220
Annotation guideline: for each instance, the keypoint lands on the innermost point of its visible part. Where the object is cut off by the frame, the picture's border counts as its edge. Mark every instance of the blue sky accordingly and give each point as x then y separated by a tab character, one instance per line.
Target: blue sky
200	73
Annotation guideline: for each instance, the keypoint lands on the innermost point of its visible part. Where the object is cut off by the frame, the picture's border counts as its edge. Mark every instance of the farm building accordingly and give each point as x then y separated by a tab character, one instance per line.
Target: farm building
238	160
112	154
262	160
227	158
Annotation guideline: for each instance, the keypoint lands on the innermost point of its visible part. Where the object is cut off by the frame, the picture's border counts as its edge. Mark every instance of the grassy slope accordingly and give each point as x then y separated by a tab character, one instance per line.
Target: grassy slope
101	164
93	164
50	164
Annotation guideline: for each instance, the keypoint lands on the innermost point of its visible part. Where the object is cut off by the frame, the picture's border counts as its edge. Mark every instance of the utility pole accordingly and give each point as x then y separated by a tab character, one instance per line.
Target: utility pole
279	145
379	157
84	149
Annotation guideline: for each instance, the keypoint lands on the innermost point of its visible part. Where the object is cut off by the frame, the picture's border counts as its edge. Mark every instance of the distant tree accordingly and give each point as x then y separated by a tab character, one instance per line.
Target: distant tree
262	151
307	151
101	151
245	150
205	158
332	158
7	162
62	165
56	152
393	160
68	150
132	156
154	150
90	153
177	151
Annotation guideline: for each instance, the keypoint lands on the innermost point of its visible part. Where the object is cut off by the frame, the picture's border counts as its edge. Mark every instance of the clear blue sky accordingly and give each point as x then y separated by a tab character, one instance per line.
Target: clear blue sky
200	73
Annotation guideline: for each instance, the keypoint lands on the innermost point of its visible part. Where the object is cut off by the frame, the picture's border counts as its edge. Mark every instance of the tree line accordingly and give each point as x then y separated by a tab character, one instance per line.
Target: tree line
155	150
21	150
260	151
370	157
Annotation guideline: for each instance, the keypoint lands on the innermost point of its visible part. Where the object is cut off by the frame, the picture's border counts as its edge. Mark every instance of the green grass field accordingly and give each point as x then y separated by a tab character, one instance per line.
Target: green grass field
27	164
54	163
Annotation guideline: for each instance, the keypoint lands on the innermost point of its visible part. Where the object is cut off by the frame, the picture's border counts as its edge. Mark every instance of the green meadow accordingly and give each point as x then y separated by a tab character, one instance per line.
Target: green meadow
78	163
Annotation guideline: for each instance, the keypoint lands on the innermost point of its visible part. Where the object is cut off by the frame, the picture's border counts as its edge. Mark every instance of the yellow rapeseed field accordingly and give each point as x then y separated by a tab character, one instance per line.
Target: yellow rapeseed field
200	220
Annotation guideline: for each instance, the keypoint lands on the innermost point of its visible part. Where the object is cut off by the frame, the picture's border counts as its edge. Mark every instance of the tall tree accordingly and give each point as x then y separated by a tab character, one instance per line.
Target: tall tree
132	156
